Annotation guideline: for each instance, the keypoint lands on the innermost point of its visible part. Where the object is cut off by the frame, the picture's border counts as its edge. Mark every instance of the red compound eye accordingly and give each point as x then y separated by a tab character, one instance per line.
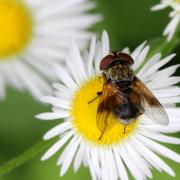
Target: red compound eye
125	58
106	61
121	57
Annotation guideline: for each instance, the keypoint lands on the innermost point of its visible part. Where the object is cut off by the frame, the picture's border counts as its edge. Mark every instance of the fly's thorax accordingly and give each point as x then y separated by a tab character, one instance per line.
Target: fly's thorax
120	72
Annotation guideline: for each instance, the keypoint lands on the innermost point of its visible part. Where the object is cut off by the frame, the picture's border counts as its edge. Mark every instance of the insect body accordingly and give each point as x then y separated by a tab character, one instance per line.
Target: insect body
124	95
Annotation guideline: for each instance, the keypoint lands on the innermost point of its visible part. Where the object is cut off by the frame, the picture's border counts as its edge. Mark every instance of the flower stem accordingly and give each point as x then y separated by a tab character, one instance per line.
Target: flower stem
27	155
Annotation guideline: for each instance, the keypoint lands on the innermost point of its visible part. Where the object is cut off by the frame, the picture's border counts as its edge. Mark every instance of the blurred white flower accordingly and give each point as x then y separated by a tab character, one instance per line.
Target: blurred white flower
138	149
174	15
35	33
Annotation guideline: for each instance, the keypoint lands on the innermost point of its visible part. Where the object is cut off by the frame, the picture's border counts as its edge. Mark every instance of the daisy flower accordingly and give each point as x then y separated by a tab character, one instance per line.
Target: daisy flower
33	34
174	15
111	157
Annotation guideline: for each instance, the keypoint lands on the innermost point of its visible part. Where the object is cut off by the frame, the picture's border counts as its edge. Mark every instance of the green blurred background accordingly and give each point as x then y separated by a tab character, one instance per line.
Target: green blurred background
128	22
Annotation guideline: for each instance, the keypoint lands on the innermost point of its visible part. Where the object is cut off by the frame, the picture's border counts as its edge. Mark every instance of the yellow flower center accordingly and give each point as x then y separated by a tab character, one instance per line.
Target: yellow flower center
15	27
84	116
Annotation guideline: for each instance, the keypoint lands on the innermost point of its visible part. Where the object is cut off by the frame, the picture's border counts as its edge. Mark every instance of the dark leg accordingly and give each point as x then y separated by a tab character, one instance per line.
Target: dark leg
124	129
98	94
101	135
93	100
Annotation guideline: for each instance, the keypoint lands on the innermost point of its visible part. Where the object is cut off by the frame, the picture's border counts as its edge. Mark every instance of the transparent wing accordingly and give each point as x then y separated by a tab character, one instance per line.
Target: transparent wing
153	108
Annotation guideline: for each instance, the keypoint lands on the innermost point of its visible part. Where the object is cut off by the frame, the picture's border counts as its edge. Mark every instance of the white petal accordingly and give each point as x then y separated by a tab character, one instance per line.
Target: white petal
62	6
30	80
49	53
171	128
91	55
34	3
40	64
95	160
120	166
79	157
138	160
76	57
53	149
165	73
145	153
63	92
170	100
98	57
138	50
56	102
90	163
133	169
64	154
141	58
173	111
2	88
52	115
174	119
68	159
7	71
64	77
160	83
160	137
171	27
160	149
57	130
159	6
150	62
85	161
72	70
151	157
158	65
126	50
166	92
112	165
104	166
74	22
105	44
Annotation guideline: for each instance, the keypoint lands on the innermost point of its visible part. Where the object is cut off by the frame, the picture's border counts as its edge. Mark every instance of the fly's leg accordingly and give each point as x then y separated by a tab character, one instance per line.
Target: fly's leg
102	133
124	129
98	94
